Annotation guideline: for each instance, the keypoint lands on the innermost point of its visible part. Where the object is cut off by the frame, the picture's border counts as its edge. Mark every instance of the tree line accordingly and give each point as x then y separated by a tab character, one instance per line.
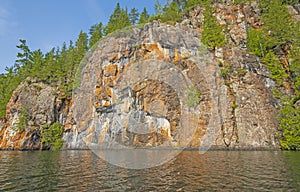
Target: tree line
58	66
277	40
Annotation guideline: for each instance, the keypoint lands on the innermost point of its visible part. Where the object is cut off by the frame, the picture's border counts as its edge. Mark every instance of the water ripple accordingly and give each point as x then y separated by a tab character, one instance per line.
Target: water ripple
190	171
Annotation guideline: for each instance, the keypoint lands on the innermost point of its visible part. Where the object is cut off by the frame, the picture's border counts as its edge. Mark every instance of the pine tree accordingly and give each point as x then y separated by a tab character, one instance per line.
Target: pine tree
158	7
112	24
48	64
23	65
37	58
124	20
118	20
96	33
171	12
23	56
81	46
133	16
144	16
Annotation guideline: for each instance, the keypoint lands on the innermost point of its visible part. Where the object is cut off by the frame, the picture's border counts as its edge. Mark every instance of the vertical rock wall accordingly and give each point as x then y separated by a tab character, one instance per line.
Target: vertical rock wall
134	88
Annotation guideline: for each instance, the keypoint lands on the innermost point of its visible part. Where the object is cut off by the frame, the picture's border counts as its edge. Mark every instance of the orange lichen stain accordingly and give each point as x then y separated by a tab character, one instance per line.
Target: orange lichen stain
110	70
4	143
71	103
109	92
152	46
165	133
98	91
109	82
114	57
98	105
2	138
2	132
176	55
23	134
155	47
20	137
106	104
118	56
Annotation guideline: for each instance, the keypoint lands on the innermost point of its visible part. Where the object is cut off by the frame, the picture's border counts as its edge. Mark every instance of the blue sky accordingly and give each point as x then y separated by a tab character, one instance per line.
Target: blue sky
48	23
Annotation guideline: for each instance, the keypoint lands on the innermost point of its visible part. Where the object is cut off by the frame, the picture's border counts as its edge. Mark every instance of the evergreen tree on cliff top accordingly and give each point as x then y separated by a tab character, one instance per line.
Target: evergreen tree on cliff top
118	20
144	16
96	32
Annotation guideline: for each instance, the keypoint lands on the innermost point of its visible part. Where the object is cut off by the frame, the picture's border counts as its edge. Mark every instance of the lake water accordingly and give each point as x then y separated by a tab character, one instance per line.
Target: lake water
190	171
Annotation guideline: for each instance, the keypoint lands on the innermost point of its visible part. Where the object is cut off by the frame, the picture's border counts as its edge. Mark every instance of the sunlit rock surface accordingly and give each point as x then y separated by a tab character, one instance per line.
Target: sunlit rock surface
133	91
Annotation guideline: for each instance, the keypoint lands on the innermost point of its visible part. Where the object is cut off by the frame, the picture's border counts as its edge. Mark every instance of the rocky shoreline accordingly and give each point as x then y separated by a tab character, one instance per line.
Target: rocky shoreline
214	148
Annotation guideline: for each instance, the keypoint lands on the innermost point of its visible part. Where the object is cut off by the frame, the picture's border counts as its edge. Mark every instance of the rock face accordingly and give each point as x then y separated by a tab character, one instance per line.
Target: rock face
35	99
135	91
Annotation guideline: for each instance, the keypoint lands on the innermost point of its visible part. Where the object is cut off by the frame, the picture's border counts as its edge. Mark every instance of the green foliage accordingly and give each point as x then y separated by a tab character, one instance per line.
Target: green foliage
275	67
241	1
144	16
8	82
23	119
171	12
193	96
225	71
276	93
58	67
193	3
37	59
133	16
294	66
269	43
290	113
51	136
23	57
14	75
290	2
242	72
158	7
256	42
118	20
290	125
212	35
278	25
234	106
96	32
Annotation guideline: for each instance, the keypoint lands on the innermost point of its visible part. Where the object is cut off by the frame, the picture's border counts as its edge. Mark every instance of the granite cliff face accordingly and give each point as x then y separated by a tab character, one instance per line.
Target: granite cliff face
134	91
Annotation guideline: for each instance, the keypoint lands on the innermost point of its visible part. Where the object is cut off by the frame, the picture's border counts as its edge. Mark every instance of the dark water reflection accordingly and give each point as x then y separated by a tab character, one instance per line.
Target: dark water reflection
190	171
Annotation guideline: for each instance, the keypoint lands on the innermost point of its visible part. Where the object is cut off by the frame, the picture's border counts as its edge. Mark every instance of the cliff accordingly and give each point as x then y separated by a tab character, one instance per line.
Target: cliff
158	85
